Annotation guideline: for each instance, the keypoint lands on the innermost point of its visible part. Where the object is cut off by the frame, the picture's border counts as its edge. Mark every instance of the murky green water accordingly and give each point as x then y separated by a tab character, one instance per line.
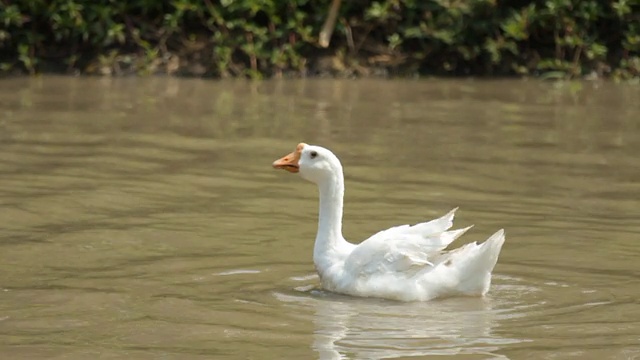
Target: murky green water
141	219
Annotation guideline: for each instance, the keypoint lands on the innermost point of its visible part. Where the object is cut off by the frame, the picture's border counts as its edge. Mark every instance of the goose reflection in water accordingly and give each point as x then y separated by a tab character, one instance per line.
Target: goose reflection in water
347	327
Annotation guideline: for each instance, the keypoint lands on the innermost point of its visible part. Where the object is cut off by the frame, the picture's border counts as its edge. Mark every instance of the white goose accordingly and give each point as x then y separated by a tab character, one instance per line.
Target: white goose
404	262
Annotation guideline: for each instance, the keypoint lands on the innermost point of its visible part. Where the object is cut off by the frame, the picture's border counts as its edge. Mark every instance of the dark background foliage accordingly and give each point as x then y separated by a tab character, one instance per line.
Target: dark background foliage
255	38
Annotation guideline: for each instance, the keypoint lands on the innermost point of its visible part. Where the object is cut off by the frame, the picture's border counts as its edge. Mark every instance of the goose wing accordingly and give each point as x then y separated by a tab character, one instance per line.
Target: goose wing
403	249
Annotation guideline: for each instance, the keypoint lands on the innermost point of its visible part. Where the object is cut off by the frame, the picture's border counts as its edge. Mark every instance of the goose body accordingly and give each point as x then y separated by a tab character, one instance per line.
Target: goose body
405	262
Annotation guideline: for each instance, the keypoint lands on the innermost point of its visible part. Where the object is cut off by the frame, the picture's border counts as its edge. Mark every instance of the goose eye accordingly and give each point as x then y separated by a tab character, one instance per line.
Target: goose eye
313	154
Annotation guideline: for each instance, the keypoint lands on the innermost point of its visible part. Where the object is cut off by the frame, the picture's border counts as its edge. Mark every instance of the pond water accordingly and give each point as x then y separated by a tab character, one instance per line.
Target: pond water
141	219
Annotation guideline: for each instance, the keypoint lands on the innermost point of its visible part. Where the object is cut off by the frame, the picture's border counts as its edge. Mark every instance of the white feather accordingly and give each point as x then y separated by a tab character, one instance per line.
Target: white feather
405	262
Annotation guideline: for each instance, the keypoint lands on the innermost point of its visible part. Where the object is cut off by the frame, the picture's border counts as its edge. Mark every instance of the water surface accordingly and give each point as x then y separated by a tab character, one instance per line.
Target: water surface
140	218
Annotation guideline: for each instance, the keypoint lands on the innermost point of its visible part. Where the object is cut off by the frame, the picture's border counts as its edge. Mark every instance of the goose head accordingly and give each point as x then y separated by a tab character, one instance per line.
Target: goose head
314	163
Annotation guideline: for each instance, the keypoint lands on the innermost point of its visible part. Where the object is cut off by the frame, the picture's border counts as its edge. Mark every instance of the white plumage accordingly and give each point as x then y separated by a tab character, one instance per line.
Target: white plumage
404	262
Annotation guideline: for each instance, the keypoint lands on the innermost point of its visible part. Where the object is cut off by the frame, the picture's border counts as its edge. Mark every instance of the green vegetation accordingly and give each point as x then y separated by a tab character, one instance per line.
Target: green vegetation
256	38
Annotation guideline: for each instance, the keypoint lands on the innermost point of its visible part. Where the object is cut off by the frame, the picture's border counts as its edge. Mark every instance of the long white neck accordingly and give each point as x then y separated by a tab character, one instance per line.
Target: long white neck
329	240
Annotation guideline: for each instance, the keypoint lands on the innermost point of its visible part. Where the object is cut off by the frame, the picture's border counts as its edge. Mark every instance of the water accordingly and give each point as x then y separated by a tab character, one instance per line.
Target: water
140	218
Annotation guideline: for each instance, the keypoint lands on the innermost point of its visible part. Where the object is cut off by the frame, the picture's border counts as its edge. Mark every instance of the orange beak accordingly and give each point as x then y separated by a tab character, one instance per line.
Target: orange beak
290	162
